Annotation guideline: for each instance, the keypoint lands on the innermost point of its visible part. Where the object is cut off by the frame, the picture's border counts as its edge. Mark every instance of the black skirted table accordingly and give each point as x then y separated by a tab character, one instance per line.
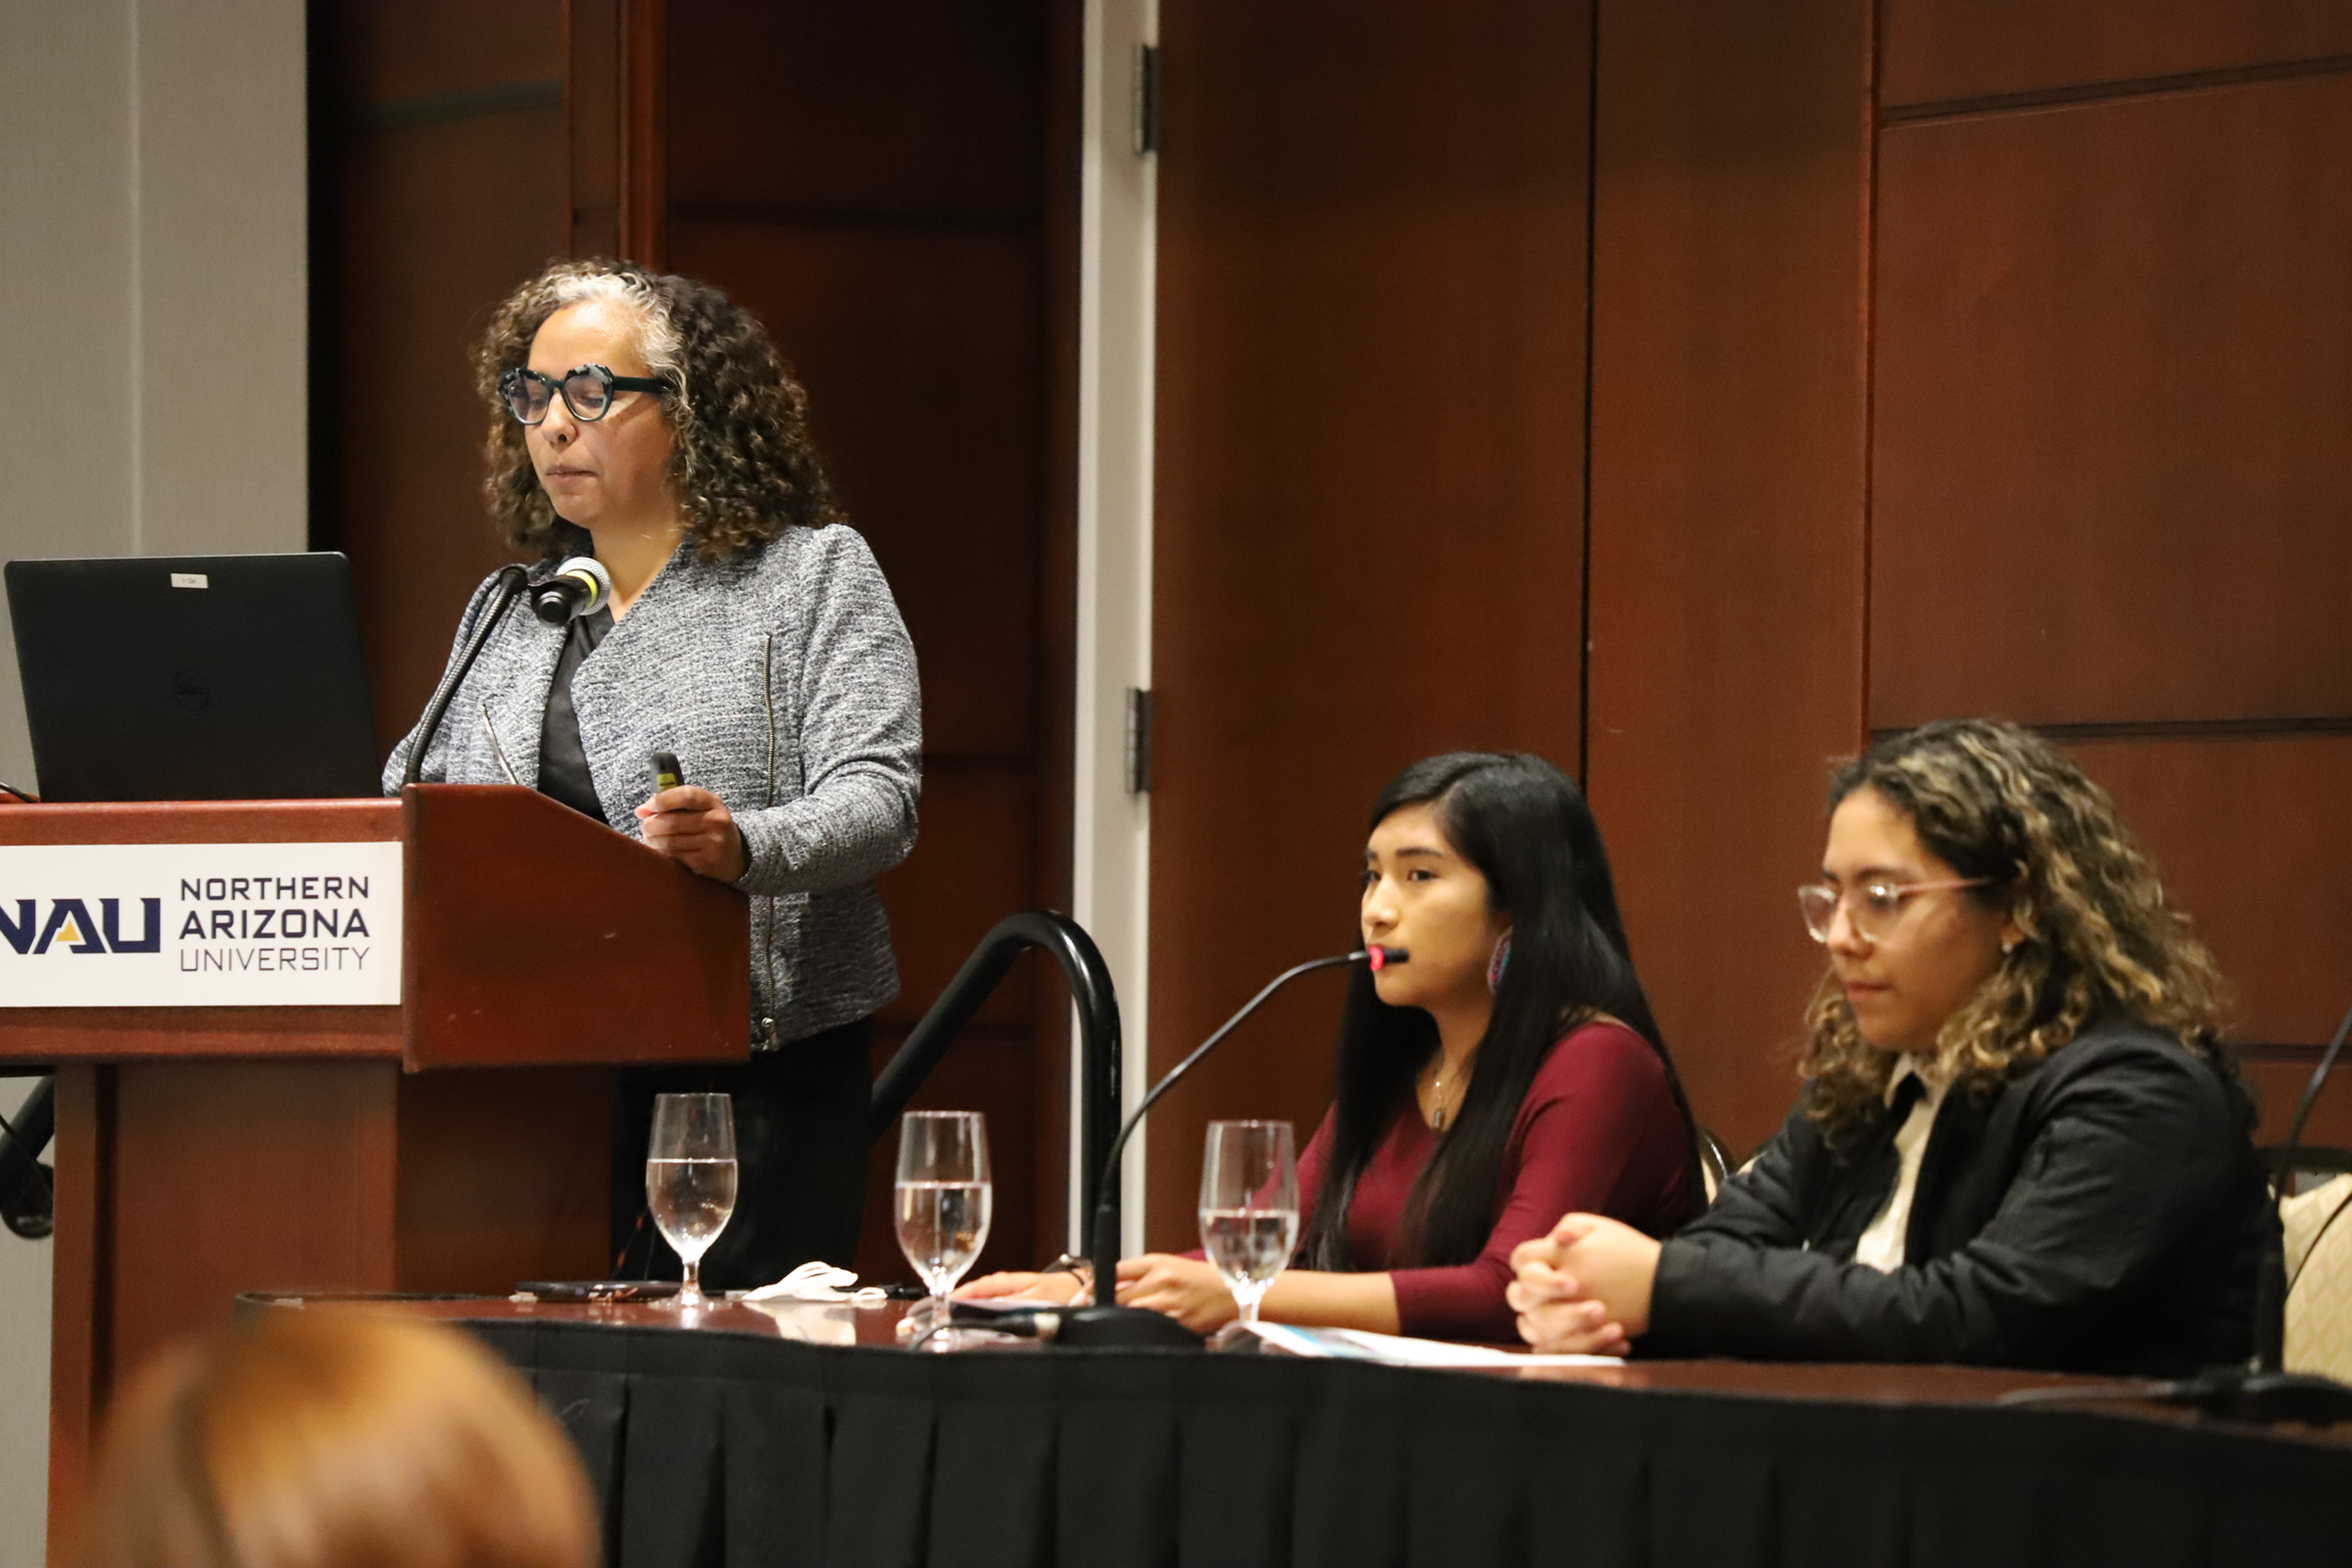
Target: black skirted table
793	1436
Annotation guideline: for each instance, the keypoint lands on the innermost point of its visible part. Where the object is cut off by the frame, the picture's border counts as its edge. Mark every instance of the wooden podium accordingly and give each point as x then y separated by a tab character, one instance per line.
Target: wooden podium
455	1142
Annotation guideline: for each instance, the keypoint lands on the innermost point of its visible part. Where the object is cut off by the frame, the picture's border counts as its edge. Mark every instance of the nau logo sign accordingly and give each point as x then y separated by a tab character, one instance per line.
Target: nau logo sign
200	925
69	923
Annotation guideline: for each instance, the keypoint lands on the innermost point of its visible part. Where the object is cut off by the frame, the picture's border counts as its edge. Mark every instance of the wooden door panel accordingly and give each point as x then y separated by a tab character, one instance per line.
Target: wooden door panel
421	49
933	113
2111	479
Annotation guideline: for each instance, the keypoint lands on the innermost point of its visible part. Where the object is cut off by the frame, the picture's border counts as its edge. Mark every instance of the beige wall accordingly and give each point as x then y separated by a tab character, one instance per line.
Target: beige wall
152	378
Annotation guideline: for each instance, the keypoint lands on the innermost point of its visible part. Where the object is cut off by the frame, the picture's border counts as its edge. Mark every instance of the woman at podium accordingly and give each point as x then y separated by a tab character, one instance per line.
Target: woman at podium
646	420
1510	1062
2020	1141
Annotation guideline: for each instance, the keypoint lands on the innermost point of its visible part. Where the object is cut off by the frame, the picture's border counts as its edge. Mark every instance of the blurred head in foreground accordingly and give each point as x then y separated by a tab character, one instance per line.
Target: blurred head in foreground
335	1439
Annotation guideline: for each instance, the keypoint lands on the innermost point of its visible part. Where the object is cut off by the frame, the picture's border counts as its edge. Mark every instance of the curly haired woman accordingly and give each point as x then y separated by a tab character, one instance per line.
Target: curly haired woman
2021	1142
646	420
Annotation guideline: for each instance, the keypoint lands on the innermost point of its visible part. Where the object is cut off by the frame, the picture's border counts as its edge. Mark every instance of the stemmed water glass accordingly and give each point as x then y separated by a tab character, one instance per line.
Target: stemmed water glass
943	1196
690	1178
1248	1206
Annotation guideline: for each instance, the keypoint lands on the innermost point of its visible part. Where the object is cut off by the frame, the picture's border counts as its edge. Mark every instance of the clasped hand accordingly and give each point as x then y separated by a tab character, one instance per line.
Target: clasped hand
1584	1288
1186	1288
693	827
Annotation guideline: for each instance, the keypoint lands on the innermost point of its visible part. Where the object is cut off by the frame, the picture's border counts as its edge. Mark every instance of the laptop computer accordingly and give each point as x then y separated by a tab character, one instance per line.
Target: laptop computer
193	679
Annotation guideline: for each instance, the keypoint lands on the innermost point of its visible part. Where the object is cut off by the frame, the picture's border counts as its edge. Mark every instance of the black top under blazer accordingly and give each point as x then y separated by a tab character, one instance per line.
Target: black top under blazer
2100	1213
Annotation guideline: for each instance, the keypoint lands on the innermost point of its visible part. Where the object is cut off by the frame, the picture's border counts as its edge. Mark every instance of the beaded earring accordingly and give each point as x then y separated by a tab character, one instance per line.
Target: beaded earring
1498	963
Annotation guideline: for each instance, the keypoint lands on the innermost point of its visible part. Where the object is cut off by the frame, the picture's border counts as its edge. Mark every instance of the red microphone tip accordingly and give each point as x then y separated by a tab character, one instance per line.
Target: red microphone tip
1381	957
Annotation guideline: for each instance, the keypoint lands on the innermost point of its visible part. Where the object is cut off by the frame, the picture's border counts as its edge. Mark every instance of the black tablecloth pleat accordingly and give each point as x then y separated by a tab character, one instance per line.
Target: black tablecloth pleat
722	1450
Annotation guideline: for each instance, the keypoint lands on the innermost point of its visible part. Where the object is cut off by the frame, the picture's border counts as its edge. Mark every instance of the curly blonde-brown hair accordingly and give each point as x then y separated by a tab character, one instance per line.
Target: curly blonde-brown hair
742	458
2099	939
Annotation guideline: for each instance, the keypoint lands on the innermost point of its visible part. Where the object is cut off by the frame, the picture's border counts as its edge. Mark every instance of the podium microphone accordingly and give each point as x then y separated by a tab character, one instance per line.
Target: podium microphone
512	580
581	586
1106	1323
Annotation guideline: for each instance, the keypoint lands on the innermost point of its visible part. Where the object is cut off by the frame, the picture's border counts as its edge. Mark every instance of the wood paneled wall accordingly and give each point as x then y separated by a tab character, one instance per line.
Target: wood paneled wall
1943	359
892	191
1952	365
2111	480
1681	394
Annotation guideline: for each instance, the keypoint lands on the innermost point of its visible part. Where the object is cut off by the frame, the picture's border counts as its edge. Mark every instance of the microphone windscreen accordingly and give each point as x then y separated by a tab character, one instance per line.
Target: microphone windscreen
580	587
591	575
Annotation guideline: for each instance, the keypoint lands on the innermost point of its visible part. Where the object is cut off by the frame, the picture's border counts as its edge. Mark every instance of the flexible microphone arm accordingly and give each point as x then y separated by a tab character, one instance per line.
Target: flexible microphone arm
510	582
1104	1254
1065	940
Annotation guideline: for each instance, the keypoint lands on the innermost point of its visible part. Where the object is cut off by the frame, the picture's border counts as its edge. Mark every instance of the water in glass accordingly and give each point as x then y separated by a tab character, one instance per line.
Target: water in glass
1248	1206
690	1178
944	1195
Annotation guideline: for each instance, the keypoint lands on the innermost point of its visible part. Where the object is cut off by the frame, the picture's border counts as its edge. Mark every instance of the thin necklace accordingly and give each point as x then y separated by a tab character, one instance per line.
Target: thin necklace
1436	1093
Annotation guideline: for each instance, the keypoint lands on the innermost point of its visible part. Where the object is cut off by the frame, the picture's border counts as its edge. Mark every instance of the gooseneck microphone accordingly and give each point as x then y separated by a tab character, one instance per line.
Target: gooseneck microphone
512	580
1107	1322
581	586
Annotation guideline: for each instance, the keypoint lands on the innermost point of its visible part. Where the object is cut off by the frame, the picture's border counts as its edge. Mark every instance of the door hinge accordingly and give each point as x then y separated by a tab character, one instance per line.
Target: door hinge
1139	741
1147	99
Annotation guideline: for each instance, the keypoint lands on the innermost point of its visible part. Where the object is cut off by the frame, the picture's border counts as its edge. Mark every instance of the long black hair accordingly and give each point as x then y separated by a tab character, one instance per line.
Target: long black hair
1525	826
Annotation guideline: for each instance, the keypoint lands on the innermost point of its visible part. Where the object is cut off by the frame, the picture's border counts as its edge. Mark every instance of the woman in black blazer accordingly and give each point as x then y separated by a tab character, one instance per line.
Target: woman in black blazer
2020	1141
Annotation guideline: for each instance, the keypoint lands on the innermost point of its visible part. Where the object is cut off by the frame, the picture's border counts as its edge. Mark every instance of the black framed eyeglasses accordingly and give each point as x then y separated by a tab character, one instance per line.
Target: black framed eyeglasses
587	391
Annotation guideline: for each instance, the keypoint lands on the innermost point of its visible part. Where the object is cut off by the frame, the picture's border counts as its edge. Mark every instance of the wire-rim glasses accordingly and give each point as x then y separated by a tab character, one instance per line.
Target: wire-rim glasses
1871	908
587	391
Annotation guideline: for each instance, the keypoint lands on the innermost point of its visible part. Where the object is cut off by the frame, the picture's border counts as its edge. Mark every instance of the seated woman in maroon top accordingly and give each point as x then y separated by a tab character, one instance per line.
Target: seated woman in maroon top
1508	1072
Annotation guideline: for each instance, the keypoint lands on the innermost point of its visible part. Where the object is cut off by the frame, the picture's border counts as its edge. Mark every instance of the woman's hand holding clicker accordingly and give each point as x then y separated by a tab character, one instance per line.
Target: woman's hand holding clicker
693	827
1186	1288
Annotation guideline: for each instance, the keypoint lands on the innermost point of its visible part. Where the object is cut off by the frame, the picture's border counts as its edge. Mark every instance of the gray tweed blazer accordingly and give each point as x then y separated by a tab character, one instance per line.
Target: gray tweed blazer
786	685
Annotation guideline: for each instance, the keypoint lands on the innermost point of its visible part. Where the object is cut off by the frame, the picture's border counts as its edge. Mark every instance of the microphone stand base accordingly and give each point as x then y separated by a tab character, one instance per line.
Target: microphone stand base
2264	1398
1125	1328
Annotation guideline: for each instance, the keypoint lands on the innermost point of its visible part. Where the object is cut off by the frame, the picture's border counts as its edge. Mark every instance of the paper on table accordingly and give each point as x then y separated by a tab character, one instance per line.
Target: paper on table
1396	1350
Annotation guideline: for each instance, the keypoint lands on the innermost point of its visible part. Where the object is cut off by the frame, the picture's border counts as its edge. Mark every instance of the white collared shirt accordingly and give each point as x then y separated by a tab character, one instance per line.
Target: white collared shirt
1882	1246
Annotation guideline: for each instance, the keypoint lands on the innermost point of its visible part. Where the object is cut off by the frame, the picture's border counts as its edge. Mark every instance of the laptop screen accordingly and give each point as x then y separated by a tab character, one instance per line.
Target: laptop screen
201	677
